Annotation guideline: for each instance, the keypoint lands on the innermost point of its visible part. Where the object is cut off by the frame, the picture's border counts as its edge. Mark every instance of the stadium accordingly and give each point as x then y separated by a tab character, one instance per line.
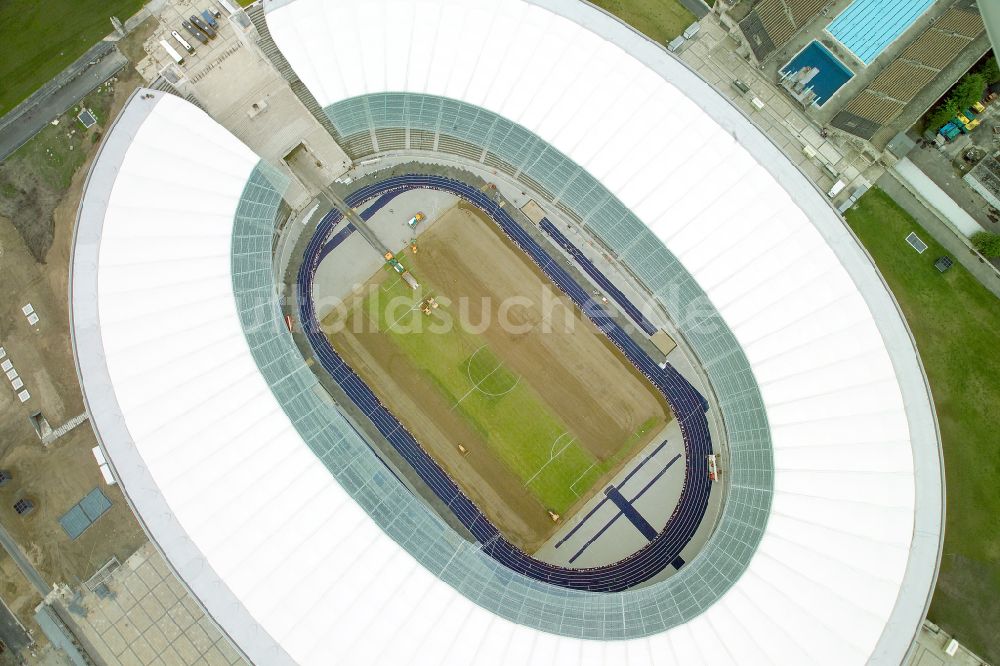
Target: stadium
726	453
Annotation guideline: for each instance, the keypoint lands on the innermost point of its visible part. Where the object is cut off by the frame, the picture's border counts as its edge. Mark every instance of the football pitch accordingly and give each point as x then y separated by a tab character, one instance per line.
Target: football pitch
509	414
526	419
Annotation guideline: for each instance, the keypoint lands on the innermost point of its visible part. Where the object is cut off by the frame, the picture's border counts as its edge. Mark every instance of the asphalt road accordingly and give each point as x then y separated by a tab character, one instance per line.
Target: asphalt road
696	7
11	631
26	567
60	94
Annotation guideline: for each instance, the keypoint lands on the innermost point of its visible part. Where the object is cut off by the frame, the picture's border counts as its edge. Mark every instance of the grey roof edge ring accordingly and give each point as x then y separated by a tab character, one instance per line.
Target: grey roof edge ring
704	569
179	552
925	556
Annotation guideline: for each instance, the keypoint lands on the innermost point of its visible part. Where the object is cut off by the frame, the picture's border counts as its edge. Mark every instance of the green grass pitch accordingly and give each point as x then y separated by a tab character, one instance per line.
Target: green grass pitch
510	415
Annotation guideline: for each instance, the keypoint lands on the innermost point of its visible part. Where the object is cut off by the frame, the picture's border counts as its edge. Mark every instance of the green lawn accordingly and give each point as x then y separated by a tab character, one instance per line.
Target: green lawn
508	413
57	151
38	39
661	20
956	323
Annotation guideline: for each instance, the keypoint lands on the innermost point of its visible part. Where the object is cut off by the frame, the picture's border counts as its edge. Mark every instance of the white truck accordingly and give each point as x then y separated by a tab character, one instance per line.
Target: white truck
185	44
172	52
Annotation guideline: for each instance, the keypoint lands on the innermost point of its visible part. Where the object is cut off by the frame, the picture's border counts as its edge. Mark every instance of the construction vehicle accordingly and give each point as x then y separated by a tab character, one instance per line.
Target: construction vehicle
410	280
713	467
973	121
195	32
201	25
172	52
950	131
413	246
415	220
428	304
183	42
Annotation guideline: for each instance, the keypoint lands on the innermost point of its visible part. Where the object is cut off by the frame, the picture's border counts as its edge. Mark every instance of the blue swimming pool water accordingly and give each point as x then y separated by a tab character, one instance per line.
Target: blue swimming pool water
866	27
832	73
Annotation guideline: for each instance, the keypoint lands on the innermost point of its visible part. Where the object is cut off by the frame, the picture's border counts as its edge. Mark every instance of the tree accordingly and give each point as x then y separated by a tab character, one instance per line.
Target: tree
966	92
987	243
969	90
990	71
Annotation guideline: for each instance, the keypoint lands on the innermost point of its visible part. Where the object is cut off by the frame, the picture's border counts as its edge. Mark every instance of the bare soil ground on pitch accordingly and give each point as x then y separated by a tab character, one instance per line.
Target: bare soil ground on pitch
581	381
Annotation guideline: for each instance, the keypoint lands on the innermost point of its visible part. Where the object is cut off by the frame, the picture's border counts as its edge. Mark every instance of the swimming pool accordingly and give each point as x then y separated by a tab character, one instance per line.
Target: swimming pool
866	27
802	82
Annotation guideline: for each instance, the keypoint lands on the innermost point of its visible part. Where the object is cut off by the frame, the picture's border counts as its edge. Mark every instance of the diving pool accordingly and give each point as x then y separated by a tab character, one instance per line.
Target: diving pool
831	76
866	27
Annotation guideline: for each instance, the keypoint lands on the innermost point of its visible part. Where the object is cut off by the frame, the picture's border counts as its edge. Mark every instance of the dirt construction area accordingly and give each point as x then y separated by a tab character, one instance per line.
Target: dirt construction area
519	397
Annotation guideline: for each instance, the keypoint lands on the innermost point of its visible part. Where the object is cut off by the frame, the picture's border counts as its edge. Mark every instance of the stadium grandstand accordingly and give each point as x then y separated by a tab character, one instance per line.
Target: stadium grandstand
903	54
771	24
274	505
889	94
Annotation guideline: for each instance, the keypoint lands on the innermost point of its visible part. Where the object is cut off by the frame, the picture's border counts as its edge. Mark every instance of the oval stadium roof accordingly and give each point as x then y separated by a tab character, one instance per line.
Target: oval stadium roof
280	554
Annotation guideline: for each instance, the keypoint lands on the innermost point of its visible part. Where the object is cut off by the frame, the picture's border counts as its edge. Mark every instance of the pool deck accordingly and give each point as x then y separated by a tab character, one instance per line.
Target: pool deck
816	30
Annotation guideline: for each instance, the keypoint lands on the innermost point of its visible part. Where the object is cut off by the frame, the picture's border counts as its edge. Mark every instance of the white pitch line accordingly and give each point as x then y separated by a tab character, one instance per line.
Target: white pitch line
385	288
468	373
585	472
400	318
476	385
552	457
413	309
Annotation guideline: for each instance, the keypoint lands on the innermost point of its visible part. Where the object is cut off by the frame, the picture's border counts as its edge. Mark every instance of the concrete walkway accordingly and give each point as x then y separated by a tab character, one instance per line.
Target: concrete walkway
941	232
22	562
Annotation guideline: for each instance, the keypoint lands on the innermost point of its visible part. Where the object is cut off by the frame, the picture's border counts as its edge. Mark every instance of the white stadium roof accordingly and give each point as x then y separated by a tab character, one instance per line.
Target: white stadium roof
211	463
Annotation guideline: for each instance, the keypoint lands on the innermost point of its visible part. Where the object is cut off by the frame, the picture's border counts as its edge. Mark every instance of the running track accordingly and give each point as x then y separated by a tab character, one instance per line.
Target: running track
686	403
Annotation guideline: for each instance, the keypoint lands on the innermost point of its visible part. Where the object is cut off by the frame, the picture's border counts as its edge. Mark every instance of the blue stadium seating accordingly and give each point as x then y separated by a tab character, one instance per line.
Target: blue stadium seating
598	276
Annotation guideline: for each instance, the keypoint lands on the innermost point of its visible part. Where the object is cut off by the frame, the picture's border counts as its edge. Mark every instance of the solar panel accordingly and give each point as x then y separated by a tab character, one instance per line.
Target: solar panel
95	504
943	263
75	522
916	243
84	513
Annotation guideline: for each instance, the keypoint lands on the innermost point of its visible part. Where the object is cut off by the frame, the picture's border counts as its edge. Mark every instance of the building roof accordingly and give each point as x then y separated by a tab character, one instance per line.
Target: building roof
281	555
